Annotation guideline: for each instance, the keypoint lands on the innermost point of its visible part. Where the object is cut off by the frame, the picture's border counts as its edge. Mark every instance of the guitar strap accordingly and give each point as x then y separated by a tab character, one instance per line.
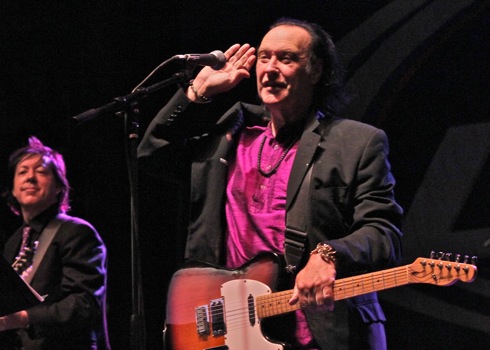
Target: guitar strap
45	239
295	236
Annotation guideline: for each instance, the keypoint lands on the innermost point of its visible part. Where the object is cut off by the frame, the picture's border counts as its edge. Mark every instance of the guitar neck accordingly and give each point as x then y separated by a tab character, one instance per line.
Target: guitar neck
277	303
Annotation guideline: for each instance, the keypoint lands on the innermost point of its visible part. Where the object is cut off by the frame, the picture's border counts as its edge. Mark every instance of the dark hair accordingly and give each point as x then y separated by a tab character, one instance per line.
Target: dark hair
55	162
329	94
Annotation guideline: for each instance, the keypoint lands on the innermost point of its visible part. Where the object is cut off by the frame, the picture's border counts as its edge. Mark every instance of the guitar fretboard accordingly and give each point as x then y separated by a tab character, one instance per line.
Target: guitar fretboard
278	303
429	271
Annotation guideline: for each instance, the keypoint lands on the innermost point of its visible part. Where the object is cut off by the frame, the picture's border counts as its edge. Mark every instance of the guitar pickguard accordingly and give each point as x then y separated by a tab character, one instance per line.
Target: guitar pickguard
243	325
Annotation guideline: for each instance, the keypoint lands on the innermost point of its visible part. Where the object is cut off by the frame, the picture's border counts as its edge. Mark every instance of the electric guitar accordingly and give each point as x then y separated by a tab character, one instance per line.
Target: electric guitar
211	308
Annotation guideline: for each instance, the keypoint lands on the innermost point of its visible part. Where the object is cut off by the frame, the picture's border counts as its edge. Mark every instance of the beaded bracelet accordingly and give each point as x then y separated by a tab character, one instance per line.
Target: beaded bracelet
326	252
194	90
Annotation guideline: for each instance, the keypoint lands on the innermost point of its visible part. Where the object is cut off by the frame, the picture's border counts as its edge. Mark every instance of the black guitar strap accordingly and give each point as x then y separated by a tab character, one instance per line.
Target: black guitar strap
295	236
45	239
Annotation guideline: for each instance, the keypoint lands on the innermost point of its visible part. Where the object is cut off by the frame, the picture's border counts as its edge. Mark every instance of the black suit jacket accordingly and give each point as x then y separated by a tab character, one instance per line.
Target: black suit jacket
351	203
72	277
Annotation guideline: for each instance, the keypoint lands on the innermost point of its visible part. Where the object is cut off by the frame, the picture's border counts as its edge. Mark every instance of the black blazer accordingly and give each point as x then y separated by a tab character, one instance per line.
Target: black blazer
72	277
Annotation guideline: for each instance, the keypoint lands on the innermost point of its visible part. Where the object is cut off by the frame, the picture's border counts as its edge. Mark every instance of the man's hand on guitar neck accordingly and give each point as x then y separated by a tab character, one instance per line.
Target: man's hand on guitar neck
314	284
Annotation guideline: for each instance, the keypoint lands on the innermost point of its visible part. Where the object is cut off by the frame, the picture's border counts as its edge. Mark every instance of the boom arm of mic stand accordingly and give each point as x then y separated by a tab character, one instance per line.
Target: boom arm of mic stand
121	103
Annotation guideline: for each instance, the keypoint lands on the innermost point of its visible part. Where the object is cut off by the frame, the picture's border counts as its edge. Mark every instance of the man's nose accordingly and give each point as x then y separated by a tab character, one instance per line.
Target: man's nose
272	70
271	65
31	176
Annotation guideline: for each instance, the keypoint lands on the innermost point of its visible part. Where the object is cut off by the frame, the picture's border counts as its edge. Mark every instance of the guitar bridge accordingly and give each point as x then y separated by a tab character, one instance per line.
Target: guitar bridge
202	320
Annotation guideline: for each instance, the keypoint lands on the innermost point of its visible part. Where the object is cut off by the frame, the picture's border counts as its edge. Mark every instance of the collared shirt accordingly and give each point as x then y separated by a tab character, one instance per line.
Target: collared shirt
256	204
40	221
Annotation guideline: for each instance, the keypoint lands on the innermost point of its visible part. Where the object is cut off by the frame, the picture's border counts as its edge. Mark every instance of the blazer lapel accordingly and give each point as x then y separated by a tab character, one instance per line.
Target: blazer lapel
308	144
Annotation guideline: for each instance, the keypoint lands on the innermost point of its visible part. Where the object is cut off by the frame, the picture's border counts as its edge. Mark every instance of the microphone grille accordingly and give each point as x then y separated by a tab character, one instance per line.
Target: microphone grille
221	59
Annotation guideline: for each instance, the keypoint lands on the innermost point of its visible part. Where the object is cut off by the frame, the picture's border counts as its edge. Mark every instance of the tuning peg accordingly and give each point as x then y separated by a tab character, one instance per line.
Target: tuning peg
474	260
447	256
432	254
458	258
466	259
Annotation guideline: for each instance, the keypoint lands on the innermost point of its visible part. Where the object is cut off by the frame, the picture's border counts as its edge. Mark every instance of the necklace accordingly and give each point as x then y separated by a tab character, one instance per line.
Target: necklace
275	167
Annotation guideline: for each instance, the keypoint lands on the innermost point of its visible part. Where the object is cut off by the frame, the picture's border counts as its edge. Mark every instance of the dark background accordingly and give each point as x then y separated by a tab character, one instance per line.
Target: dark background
419	70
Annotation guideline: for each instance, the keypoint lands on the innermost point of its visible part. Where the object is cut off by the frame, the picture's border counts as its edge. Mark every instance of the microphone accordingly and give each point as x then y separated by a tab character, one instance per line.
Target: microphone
215	59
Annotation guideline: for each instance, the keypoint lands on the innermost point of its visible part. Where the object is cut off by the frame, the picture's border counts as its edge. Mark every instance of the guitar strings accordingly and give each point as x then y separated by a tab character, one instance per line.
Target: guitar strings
238	313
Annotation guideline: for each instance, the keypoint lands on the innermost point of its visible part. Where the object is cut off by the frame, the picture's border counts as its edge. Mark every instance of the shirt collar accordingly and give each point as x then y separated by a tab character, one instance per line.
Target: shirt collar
41	220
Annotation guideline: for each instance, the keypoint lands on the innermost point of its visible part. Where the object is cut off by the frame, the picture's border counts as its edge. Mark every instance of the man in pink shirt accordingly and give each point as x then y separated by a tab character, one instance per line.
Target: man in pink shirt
256	165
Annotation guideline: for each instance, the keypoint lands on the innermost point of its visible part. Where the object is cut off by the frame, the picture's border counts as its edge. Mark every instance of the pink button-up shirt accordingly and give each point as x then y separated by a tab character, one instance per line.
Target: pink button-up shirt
256	205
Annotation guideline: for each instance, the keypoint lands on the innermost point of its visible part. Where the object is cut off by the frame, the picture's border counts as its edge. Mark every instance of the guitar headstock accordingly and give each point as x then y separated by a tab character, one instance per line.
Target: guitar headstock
24	259
440	270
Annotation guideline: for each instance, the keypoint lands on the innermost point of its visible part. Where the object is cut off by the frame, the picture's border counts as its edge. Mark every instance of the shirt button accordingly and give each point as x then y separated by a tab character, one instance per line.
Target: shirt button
262	187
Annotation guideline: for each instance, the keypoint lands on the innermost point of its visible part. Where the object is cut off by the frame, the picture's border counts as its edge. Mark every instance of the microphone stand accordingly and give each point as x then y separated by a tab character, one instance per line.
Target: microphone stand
128	105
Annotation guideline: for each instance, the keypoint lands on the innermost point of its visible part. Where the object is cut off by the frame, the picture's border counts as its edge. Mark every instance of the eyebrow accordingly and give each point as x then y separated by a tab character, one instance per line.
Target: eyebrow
38	164
278	51
296	53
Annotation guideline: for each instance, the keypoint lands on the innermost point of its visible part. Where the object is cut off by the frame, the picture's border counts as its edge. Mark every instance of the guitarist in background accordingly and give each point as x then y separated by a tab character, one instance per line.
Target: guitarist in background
72	273
248	167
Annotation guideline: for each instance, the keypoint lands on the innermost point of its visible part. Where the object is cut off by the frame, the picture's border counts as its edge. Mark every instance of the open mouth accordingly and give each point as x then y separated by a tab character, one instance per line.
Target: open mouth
274	84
